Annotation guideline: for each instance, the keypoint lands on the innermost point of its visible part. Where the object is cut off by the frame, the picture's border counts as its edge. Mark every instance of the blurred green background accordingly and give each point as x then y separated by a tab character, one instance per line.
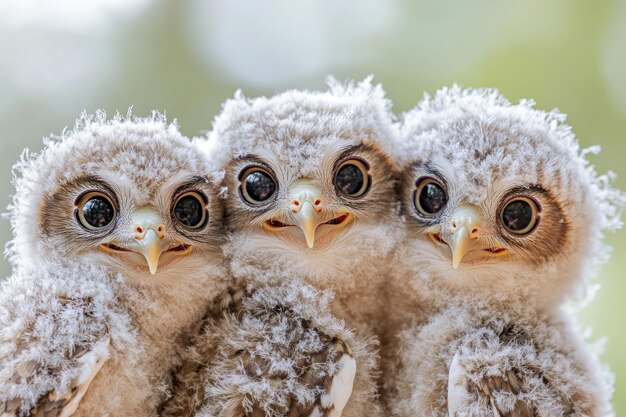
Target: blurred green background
186	57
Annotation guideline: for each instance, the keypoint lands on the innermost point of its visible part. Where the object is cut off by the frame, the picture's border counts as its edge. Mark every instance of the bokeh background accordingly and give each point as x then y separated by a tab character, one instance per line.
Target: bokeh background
185	57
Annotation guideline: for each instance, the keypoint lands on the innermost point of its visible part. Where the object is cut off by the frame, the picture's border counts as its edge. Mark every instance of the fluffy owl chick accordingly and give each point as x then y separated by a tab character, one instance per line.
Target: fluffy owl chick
505	219
311	201
116	250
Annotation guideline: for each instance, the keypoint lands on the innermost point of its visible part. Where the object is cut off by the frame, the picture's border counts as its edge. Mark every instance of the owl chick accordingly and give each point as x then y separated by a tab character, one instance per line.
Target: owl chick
116	251
311	202
505	221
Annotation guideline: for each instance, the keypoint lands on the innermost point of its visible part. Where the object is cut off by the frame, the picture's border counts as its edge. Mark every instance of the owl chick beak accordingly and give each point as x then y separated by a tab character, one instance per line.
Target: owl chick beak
464	231
308	212
150	239
306	204
307	220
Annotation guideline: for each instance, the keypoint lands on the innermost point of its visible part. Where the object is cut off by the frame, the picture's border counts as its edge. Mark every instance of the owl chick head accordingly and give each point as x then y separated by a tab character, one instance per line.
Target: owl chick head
129	193
499	197
310	180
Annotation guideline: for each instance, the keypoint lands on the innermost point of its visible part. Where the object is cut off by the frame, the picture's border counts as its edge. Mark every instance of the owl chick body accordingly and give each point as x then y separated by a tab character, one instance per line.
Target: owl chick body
505	220
311	202
507	361
261	352
116	255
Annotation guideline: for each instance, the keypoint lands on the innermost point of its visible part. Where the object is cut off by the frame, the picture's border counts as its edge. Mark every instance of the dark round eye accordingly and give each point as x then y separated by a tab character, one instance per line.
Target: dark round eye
520	215
257	186
95	210
190	210
429	198
352	178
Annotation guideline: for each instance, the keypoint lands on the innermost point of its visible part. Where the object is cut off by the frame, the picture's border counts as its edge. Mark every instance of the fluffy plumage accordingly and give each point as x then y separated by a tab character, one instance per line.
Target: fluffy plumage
122	276
311	200
517	263
271	351
47	326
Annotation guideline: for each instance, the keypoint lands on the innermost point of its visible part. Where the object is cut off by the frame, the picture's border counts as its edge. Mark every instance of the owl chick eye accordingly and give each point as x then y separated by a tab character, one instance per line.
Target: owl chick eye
520	215
95	210
257	186
352	178
429	197
190	210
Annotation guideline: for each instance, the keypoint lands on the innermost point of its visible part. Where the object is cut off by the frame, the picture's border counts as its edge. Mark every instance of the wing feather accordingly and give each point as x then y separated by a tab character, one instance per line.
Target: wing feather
339	387
458	384
64	403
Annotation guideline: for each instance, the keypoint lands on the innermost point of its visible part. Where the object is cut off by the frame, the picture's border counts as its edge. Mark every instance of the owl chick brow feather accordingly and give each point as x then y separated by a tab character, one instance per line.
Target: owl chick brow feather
25	171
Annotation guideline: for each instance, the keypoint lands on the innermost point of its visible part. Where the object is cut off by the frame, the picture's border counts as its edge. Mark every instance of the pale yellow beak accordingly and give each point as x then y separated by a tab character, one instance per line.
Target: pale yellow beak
149	233
308	220
306	203
151	248
464	231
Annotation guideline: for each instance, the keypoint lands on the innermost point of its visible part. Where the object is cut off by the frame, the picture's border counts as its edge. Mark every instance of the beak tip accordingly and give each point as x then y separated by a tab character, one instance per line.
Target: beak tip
456	260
